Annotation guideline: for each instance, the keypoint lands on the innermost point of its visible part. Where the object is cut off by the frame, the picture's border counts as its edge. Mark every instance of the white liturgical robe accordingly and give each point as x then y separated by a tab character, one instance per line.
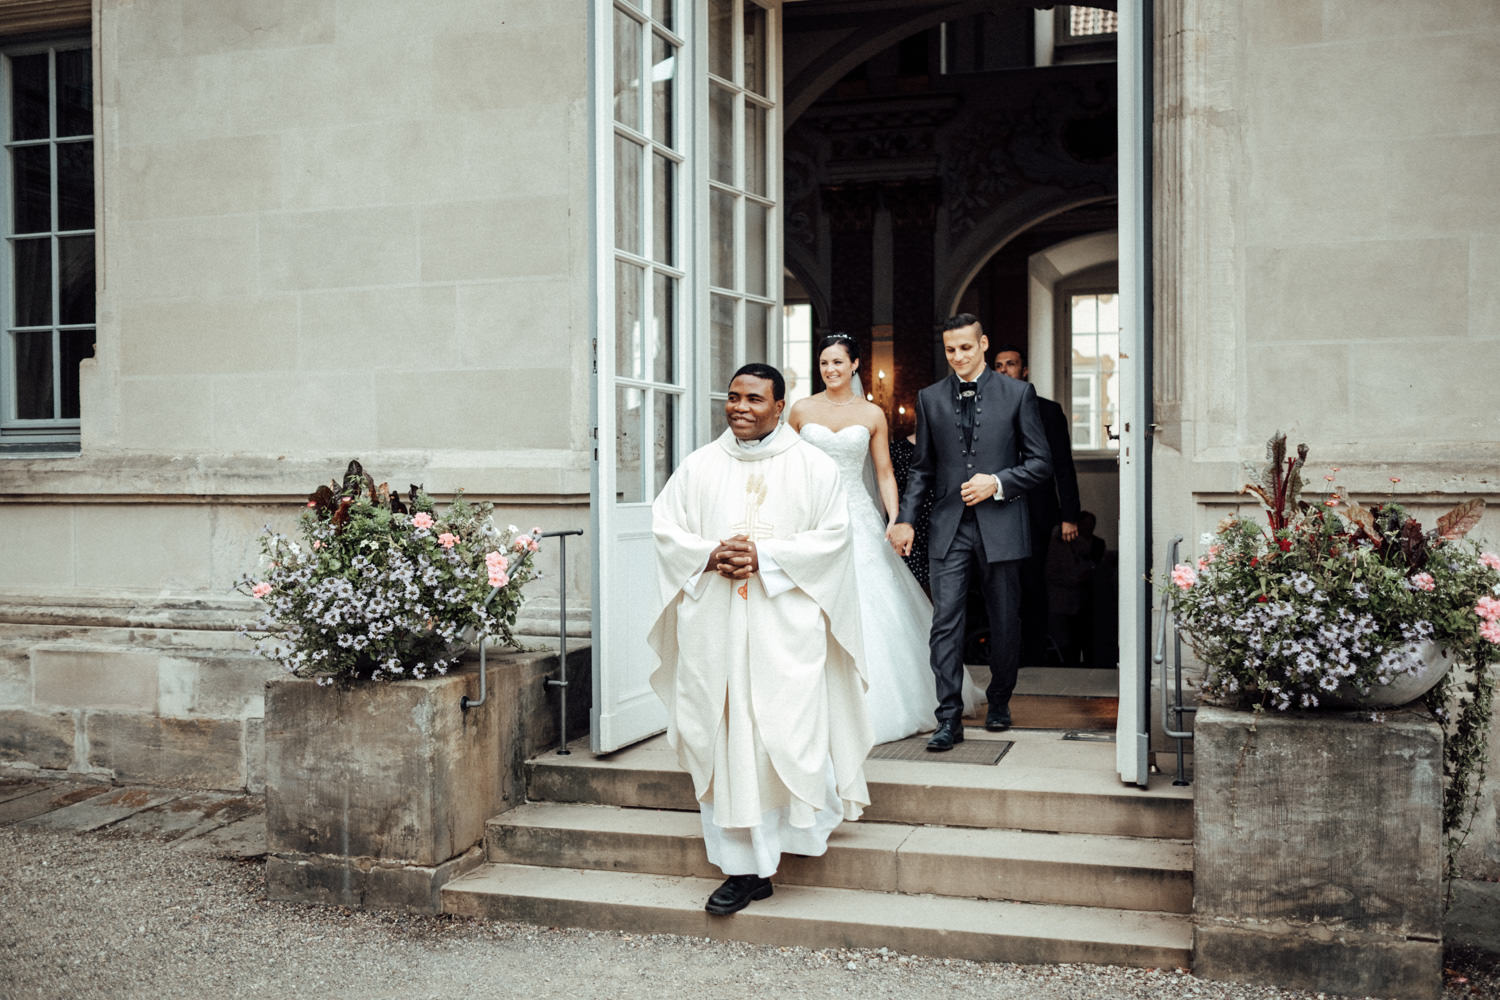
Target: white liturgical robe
761	677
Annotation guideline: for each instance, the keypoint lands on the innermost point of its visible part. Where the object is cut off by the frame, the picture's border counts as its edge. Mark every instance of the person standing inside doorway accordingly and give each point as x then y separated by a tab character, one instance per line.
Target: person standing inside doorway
1053	506
980	448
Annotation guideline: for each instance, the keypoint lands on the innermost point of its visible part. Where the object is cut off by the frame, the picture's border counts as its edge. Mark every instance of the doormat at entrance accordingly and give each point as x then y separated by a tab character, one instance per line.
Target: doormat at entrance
967	752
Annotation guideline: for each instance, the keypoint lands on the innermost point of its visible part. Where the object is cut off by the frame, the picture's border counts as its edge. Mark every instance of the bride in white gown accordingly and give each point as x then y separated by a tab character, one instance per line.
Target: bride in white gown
894	612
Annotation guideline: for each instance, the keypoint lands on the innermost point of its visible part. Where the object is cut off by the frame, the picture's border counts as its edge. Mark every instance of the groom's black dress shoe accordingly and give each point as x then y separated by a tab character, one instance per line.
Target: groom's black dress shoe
948	734
736	893
997	720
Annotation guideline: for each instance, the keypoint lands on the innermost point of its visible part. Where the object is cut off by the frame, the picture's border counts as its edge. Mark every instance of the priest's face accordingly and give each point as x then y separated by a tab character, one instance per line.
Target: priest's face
752	409
965	347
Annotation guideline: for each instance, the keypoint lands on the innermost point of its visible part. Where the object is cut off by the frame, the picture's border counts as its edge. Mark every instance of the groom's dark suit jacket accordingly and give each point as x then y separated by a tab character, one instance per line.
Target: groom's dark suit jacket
1009	441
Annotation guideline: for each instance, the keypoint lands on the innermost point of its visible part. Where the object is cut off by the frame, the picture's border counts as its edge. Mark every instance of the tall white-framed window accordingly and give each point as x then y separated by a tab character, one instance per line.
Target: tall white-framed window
1094	367
744	273
47	274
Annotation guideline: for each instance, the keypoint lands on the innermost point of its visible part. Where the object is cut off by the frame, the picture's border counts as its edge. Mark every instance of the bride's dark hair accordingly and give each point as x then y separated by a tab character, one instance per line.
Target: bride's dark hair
845	341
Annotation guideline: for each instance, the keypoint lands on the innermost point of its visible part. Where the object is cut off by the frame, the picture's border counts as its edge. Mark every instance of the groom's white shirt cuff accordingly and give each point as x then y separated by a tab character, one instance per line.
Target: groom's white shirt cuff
999	487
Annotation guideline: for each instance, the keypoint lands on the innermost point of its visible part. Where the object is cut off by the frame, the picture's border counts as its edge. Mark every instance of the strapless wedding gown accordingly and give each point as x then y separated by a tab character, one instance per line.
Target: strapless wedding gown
894	612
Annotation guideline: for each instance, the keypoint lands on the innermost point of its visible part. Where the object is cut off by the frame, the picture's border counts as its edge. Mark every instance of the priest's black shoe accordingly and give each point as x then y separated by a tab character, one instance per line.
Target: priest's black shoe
997	720
948	735
736	893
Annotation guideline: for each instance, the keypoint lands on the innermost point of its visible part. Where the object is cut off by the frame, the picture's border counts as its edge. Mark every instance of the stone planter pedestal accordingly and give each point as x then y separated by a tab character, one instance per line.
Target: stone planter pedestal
377	795
1318	851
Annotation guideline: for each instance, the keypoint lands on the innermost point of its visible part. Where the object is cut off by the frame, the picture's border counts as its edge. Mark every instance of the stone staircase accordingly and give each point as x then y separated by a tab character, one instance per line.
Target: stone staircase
1043	857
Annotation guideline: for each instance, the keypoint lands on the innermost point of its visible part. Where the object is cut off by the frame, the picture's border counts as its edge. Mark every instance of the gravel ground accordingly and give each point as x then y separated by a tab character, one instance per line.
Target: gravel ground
99	916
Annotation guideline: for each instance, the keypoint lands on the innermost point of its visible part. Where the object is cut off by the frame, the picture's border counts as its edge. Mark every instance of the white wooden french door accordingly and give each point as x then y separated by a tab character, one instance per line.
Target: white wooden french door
687	166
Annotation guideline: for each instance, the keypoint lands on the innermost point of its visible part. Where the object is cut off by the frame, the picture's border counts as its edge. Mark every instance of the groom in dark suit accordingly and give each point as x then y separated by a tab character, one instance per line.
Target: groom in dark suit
980	449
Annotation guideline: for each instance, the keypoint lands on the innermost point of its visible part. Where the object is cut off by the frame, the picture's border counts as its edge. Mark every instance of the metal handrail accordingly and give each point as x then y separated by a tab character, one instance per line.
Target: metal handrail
562	640
1179	709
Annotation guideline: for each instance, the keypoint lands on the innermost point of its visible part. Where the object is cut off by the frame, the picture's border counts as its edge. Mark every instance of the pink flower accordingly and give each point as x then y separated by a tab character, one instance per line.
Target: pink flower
1488	608
498	578
1183	575
1491	631
447	539
496	562
533	544
261	589
1490	559
1423	581
520	544
421	519
1202	563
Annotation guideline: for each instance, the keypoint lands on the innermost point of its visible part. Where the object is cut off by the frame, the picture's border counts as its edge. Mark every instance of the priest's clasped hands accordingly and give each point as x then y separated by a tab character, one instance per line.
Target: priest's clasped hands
734	558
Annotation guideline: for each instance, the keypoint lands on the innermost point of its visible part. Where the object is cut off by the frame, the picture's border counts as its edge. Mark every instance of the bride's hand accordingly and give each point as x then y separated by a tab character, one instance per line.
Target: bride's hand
900	536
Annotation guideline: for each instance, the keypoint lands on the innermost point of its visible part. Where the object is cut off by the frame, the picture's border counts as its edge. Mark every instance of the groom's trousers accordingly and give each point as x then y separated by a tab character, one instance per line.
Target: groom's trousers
1000	583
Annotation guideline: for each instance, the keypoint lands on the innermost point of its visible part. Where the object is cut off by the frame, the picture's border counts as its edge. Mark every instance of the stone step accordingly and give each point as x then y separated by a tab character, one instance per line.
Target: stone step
1129	873
819	917
1045	782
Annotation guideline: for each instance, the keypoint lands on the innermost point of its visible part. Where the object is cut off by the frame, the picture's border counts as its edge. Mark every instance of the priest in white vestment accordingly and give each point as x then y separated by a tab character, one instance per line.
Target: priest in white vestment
759	641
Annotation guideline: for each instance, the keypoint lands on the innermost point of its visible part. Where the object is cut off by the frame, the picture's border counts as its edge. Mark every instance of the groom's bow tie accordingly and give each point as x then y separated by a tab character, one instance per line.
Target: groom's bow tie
966	390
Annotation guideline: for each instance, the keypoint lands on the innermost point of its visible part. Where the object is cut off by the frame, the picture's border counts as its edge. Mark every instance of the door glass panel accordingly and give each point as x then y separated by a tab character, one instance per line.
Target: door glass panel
663	74
755	248
75	286
33	375
721	38
630	420
627	70
30	110
755	49
664	329
663	221
721	134
627	195
756	316
721	238
663	440
76	345
75	185
630	348
31	177
33	277
75	93
720	342
755	148
665	12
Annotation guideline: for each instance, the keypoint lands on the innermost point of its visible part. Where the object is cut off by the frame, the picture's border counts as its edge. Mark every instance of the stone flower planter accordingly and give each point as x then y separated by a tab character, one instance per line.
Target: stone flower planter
1434	666
377	794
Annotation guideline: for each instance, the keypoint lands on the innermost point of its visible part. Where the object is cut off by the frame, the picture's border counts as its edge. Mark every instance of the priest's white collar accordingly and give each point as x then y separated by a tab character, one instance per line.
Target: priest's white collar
774	443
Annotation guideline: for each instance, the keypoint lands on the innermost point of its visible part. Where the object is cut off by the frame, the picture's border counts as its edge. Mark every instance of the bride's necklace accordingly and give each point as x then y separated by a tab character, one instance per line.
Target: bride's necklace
833	402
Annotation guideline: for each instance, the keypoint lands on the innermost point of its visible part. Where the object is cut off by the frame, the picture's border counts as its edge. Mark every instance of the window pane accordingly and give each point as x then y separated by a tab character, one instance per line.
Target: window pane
29	105
75	185
76	345
31	173
663	210
755	248
663	440
630	347
721	134
721	38
75	94
664	329
627	71
1109	313
630	424
720	342
627	195
756	316
33	375
755	48
663	72
721	239
75	259
664	11
1085	314
33	277
755	148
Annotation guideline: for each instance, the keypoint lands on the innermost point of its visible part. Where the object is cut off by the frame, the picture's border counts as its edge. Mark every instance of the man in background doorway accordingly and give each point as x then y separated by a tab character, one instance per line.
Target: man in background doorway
1052	505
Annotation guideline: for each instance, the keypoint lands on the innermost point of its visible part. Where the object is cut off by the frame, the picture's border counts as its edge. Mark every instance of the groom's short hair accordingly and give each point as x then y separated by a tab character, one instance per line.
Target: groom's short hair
961	320
758	370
